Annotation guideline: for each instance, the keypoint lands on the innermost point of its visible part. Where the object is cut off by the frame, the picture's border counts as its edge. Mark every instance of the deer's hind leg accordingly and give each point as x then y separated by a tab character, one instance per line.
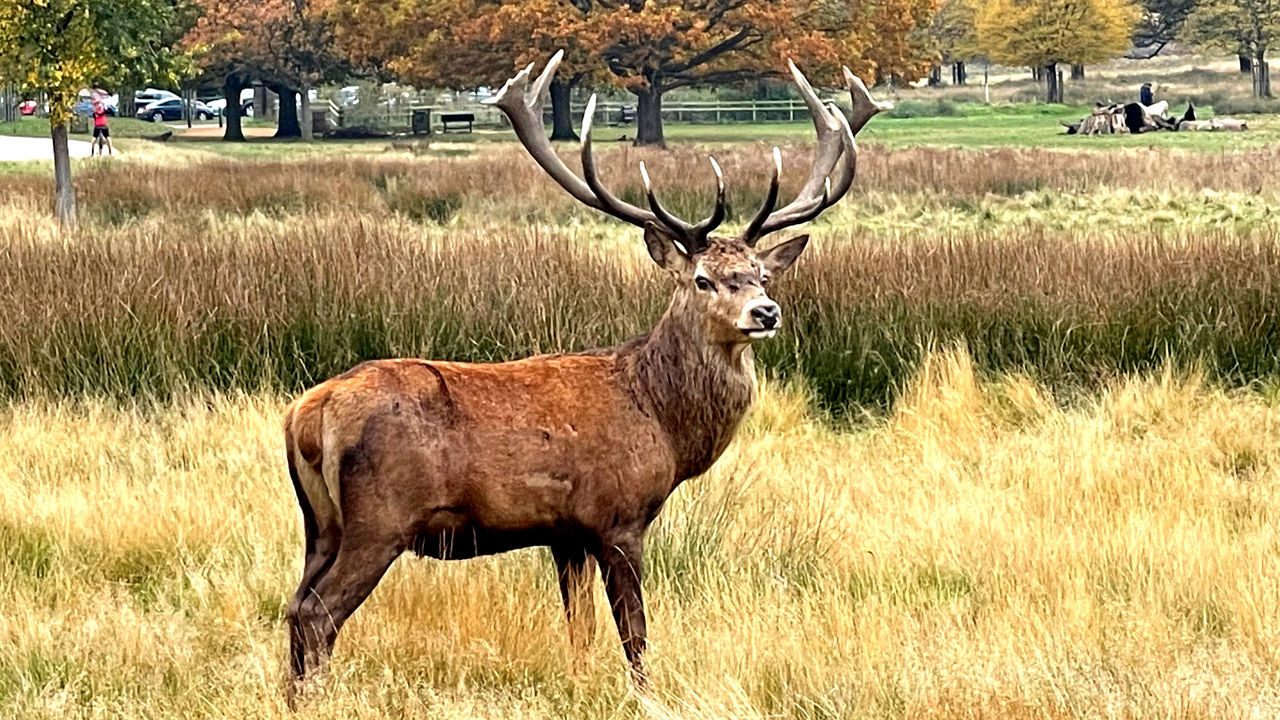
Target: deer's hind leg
362	559
322	537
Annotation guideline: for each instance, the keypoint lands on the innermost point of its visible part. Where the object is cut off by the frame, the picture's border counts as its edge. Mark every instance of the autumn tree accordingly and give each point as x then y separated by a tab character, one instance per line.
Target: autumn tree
286	45
889	38
657	46
468	43
1247	27
59	47
955	37
1047	33
529	32
647	47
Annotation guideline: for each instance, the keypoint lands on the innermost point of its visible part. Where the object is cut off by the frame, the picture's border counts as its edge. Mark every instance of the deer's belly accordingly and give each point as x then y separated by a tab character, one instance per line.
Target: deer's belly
464	540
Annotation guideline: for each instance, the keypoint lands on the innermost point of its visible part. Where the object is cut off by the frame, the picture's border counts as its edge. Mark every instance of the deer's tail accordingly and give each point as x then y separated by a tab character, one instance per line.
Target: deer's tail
318	498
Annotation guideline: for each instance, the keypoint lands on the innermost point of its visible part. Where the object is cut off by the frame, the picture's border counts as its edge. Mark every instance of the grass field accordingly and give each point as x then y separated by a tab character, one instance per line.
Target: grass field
1017	454
978	553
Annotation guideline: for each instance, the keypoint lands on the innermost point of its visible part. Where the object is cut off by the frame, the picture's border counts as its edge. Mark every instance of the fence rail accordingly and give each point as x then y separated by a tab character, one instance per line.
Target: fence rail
399	117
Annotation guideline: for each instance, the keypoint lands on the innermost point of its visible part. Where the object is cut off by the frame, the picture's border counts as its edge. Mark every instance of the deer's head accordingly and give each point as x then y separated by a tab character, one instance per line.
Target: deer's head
725	280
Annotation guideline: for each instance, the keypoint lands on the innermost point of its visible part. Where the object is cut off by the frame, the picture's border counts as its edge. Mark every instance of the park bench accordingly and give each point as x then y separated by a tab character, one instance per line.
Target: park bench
446	118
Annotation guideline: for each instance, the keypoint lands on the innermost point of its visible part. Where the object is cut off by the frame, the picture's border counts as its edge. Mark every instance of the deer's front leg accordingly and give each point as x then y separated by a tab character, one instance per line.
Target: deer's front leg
621	564
575	570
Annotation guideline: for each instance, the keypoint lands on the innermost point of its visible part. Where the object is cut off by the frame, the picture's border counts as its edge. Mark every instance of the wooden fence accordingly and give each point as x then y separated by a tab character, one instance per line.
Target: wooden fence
398	117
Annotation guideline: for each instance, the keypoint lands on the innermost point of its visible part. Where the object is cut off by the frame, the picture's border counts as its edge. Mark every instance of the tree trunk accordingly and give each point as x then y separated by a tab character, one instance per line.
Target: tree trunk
1246	64
1261	76
1077	72
959	73
649	117
64	203
1052	88
232	86
561	116
126	106
260	102
288	127
1037	74
935	75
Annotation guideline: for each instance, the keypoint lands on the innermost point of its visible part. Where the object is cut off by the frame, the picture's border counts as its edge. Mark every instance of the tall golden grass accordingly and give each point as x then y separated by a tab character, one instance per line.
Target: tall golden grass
502	184
977	553
279	303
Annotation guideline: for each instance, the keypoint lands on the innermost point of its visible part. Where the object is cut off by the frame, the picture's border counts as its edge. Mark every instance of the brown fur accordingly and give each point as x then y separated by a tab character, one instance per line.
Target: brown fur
577	452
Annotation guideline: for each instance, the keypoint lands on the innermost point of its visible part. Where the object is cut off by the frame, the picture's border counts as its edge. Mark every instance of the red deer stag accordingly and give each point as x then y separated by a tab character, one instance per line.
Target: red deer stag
577	452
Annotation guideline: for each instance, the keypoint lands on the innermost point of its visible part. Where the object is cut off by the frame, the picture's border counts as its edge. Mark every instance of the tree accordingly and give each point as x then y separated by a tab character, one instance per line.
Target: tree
1159	25
646	47
59	47
955	36
528	32
1246	27
286	45
656	46
1047	33
468	44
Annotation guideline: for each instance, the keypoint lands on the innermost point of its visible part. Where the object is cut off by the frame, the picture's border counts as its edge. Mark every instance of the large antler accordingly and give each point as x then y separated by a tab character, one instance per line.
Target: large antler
521	102
835	141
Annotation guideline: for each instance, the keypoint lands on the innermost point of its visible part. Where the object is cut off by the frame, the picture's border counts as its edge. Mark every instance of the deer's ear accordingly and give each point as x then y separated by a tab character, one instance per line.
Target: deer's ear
781	256
664	249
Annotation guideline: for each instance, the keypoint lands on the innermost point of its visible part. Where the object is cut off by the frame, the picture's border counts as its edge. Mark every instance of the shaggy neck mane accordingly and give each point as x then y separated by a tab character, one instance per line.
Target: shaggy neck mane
697	389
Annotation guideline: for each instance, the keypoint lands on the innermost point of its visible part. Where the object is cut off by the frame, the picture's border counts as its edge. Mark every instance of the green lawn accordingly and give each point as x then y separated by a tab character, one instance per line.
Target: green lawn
974	126
1000	126
120	127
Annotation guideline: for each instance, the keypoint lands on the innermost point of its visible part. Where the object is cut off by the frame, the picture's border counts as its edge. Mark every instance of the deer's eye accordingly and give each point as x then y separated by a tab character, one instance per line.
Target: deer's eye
704	284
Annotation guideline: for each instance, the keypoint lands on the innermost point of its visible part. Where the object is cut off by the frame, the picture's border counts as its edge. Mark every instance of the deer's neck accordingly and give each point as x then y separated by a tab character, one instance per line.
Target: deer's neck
699	391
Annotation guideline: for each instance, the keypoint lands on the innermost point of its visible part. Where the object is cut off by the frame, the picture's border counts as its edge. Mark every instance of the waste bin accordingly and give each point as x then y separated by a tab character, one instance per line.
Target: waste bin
420	121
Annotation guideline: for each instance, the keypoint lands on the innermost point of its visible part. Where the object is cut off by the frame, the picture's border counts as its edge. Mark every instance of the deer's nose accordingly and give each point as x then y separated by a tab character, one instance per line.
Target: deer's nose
767	314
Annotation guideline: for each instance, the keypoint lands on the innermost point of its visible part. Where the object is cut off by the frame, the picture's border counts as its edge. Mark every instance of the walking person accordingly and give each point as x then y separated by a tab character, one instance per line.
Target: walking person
101	133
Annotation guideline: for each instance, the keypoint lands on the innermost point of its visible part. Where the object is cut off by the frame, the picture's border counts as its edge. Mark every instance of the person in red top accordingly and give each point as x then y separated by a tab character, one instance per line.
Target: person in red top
101	133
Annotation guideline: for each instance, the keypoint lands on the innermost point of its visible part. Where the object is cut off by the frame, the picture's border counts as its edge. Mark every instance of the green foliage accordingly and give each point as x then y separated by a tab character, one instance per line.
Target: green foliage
940	107
59	47
1248	27
954	31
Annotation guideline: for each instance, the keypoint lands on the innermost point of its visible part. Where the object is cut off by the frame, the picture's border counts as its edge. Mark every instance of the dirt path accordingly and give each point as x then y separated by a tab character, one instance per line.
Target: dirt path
16	149
213	131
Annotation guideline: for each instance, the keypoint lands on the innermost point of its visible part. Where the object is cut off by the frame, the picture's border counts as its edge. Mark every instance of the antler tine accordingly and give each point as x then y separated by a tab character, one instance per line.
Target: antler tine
524	109
521	102
684	231
831	193
828	147
826	154
808	205
752	233
864	106
608	201
704	228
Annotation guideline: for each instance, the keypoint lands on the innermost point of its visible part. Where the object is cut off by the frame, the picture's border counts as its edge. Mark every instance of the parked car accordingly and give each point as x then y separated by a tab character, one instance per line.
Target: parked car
27	107
150	95
219	105
171	109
